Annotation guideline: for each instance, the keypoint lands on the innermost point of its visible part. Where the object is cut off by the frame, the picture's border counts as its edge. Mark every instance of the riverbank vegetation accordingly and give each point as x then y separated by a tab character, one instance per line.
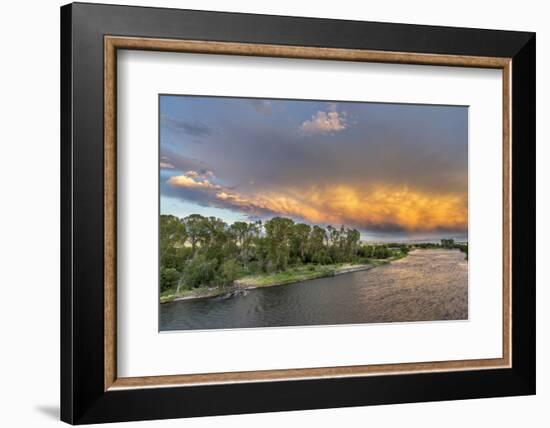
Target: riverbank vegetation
448	244
203	256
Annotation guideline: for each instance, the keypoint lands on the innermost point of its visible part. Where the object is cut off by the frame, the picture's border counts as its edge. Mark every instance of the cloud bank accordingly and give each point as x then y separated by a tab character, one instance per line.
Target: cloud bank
396	168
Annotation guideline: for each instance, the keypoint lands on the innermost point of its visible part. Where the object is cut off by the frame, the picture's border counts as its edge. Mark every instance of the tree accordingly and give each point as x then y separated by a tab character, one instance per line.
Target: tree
381	252
171	247
196	226
278	232
448	243
334	243
316	242
353	237
199	271
205	251
216	237
299	241
169	278
172	232
229	272
175	257
244	234
215	233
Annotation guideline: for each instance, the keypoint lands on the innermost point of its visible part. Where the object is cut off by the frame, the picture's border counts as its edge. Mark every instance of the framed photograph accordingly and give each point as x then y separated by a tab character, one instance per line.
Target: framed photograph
266	213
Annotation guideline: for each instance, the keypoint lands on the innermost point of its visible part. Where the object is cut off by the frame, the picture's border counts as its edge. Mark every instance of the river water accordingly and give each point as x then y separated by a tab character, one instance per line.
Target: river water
427	285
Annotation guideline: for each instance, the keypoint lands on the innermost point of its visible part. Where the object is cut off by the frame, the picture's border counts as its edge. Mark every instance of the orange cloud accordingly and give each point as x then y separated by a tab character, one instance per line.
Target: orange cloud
406	208
203	173
372	207
375	207
186	181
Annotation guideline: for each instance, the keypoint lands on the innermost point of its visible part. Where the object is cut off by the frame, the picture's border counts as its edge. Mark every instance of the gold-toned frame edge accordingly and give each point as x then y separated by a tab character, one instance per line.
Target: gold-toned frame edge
112	43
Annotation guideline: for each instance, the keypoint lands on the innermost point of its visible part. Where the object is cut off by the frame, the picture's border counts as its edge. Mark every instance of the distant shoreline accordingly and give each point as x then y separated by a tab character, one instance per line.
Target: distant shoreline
289	277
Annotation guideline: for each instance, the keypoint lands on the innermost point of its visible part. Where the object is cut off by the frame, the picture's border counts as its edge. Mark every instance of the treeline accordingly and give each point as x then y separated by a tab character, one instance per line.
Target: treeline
445	243
450	243
463	248
204	251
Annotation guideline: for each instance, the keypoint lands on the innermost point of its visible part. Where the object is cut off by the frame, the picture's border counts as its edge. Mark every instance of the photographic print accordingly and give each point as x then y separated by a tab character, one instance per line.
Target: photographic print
287	212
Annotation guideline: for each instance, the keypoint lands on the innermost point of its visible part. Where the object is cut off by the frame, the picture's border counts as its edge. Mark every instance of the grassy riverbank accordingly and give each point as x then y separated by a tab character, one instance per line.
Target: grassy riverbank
297	274
289	276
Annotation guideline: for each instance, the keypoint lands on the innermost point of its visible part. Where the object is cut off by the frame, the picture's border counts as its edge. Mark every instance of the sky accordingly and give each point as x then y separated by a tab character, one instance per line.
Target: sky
392	171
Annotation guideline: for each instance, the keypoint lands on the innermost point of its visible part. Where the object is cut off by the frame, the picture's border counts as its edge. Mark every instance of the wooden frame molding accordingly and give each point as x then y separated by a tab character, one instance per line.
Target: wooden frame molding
113	43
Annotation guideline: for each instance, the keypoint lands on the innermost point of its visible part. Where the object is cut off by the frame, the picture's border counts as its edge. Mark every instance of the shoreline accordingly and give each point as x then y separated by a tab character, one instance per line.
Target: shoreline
246	283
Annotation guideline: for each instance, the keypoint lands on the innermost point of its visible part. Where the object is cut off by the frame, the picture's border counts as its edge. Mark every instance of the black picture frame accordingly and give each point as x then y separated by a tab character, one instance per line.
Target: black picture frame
83	398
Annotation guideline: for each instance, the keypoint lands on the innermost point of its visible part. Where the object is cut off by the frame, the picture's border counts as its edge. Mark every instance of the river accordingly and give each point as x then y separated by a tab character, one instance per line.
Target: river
427	285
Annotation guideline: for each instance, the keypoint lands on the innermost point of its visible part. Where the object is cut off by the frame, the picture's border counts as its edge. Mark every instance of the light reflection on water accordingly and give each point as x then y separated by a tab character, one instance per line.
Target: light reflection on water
427	285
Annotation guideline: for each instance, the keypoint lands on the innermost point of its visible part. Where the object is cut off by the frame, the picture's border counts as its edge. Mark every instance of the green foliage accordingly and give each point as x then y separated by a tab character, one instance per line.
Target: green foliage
199	271
197	230
463	248
381	252
229	272
278	233
317	248
199	251
243	236
169	278
299	243
448	243
427	245
175	257
173	234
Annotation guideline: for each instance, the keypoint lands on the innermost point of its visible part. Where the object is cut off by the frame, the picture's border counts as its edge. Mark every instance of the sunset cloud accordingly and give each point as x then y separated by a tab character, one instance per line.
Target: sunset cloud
400	170
201	173
377	207
187	182
324	122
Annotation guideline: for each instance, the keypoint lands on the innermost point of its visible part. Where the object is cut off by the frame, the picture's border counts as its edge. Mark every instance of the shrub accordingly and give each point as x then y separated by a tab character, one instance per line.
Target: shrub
229	272
175	257
254	267
381	252
199	271
169	278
